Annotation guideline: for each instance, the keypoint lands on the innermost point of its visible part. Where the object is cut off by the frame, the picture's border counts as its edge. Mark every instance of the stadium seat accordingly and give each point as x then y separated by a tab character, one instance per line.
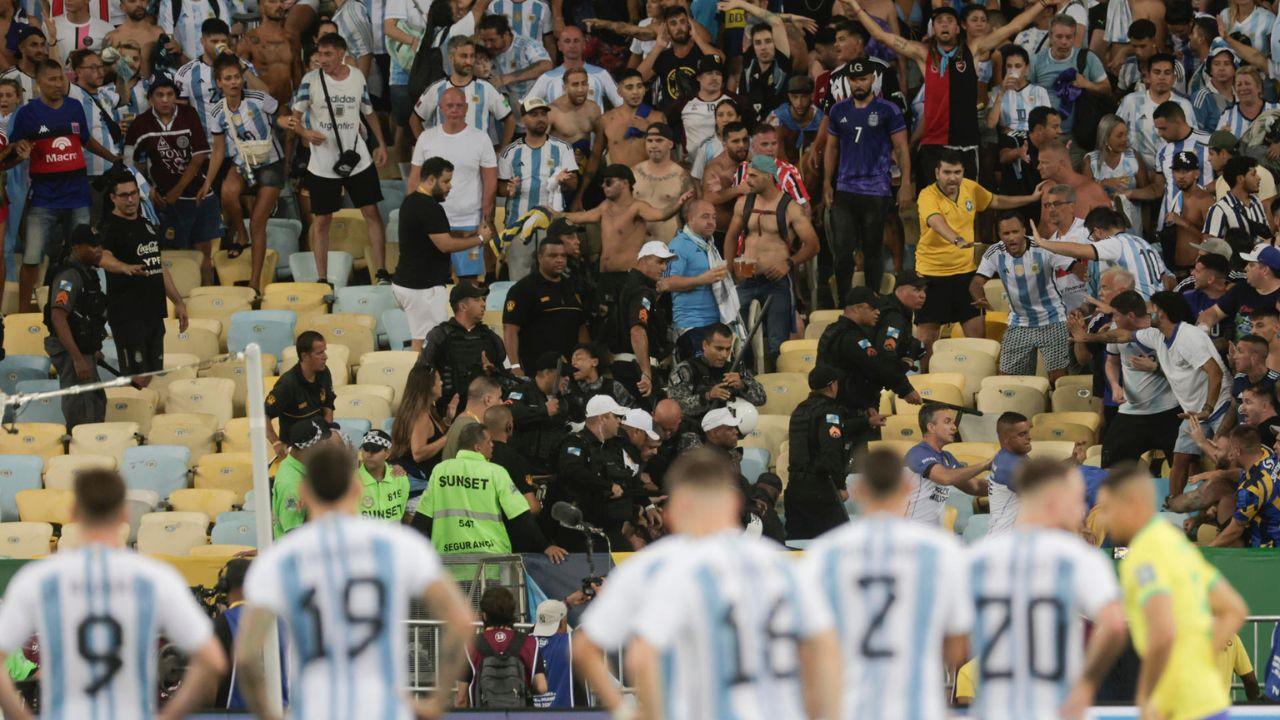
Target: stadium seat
195	431
972	453
302	266
1091	420
226	471
973	364
1071	432
235	436
210	501
797	361
962	502
1075	398
149	498
887	282
938	387
195	341
807	345
963	344
497	294
390	255
387	367
1032	381
353	429
283	236
901	427
60	471
44	505
769	432
1052	449
901	447
977	528
224	552
248	500
367	299
393	228
179	365
387	425
33	438
826	316
235	527
17	472
16	368
105	438
814	330
184	272
994	325
271	329
194	256
783	392
357	405
349	232
393	192
997	298
398	333
131	404
238	270
339	353
42	410
172	532
1011	398
1093	456
211	395
355	331
1075	381
782	463
72	538
158	468
301	299
234	370
219	307
24	334
25	540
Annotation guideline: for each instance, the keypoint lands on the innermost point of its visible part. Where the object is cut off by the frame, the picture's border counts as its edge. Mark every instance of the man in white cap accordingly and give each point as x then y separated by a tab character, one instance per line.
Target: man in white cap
586	478
552	634
640	446
720	427
640	330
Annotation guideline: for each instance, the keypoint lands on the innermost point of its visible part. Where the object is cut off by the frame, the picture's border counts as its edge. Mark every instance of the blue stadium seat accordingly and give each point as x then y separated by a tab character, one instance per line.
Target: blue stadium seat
159	468
248	499
386	425
47	410
1162	491
353	429
497	294
237	527
976	528
17	472
16	368
392	199
372	300
396	325
271	329
303	266
963	503
752	468
282	236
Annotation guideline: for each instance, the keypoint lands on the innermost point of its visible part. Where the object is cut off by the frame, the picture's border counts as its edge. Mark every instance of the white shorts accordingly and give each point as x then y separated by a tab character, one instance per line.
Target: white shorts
424	309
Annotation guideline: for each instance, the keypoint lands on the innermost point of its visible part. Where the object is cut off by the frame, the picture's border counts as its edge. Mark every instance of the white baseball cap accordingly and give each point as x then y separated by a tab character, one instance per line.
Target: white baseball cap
550	613
603	404
640	420
656	248
720	417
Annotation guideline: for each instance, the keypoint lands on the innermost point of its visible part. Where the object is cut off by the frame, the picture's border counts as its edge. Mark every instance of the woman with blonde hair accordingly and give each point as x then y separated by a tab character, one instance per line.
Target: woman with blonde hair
1117	168
418	430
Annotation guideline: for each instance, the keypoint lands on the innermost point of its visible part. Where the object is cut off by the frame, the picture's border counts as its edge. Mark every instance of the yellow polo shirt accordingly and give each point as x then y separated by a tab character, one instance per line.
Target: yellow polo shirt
934	254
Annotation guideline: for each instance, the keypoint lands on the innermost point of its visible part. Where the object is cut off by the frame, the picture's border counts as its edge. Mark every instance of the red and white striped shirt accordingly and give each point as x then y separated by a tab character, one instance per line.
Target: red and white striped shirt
788	180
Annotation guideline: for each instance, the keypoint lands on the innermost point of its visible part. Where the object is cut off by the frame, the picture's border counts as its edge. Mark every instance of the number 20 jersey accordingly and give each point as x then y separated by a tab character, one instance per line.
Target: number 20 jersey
897	588
1031	588
343	584
98	613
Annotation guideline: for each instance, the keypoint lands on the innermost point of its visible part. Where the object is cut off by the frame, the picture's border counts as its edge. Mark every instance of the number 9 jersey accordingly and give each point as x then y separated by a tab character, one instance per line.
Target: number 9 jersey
98	613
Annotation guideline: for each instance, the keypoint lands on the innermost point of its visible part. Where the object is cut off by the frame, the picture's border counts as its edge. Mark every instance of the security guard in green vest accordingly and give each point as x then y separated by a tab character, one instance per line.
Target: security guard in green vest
385	487
849	344
287	512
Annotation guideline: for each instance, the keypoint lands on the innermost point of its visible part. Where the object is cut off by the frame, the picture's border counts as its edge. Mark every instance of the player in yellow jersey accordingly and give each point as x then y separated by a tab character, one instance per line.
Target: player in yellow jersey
1181	611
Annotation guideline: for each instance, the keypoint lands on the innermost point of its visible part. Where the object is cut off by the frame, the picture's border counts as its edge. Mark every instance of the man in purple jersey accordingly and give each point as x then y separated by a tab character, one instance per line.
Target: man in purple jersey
862	131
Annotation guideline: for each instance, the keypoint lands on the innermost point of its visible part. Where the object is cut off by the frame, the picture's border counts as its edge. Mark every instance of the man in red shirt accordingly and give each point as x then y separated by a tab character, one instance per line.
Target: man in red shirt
498	609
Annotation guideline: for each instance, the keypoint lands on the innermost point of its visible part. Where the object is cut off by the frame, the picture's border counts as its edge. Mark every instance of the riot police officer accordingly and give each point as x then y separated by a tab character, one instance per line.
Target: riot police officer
705	382
462	347
821	432
849	344
640	329
536	411
76	316
586	477
897	316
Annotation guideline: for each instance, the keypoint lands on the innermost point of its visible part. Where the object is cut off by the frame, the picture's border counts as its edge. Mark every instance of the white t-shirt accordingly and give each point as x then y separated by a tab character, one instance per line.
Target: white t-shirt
98	613
72	37
1071	287
642	47
1182	360
350	98
1145	393
699	119
343	586
469	151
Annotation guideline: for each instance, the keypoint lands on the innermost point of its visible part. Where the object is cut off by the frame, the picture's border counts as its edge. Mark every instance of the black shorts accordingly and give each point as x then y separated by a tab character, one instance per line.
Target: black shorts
326	193
947	300
139	346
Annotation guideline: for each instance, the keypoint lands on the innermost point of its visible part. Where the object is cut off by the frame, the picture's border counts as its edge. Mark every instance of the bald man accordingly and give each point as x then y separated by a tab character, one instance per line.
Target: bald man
691	275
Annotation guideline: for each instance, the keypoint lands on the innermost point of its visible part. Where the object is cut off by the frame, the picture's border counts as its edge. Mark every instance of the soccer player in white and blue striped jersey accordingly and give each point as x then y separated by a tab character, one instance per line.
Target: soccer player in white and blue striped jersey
99	611
342	583
742	637
1112	246
894	587
1031	589
487	109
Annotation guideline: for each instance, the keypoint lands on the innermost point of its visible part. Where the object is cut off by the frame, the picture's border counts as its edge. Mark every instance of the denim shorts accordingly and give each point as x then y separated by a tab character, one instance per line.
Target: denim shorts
188	223
44	230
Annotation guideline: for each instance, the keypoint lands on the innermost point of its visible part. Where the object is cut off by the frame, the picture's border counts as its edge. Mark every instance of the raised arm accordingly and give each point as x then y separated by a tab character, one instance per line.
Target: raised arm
774	20
998	37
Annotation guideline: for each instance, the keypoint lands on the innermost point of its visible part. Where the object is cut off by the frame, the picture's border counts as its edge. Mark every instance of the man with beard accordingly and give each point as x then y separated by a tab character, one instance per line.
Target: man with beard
274	51
137	28
543	313
103	117
620	132
33	49
574	114
661	180
798	121
695	115
674	59
536	170
198	84
518	60
491	112
551	85
1188	214
720	172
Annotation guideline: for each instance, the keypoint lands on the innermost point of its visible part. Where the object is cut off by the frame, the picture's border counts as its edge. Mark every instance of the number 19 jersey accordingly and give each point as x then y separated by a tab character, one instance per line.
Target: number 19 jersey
98	613
728	616
896	588
343	585
1031	587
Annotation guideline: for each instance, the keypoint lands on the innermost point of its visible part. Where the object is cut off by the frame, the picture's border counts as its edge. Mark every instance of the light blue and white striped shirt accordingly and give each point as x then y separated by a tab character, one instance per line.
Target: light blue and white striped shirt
522	54
191	15
532	169
1119	17
1016	105
252	120
131	107
95	105
1274	46
356	27
1137	109
1256	27
1135	255
529	18
196	85
1197	142
486	107
550	86
1234	120
1030	281
1209	105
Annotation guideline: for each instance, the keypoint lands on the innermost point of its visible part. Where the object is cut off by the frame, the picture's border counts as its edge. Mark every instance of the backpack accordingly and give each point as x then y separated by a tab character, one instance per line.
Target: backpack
502	678
1089	110
428	63
781	218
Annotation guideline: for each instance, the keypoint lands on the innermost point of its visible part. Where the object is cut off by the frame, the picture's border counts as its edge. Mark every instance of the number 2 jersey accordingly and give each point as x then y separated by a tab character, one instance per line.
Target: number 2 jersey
728	616
98	613
343	585
1030	589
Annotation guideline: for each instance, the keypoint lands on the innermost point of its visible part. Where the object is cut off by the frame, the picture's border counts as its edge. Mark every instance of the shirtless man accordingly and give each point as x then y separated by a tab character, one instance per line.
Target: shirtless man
139	28
573	114
624	226
660	180
717	178
1189	219
1055	167
275	53
619	133
763	245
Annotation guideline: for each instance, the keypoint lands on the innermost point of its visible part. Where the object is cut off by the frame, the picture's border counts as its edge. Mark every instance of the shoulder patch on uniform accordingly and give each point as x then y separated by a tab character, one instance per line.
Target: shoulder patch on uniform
64	284
515	395
576	452
511	305
644	302
864	343
892	332
833	418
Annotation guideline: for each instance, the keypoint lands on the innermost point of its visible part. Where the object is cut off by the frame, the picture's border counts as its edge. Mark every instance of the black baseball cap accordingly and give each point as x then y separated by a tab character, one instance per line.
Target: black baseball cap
800	85
548	360
620	172
710	63
464	290
861	68
944	10
822	376
859	295
84	235
910	277
561	227
161	82
1186	160
661	129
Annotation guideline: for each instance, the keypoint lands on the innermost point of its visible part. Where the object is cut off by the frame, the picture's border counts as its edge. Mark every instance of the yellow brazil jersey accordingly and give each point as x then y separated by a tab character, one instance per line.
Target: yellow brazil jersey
1233	661
1161	561
934	254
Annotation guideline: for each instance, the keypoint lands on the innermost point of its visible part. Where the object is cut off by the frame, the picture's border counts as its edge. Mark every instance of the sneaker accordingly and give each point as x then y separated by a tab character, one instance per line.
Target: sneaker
382	278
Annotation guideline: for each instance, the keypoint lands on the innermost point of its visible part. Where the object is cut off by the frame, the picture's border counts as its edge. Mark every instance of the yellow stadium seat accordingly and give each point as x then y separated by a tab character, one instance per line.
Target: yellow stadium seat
211	395
213	326
1093	455
809	345
184	272
43	439
106	438
130	404
1070	432
825	316
972	453
797	361
1075	398
387	367
1074	381
194	256
194	431
360	406
493	320
24	334
901	447
769	432
1032	381
782	464
234	370
973	364
783	392
1052	449
1011	398
196	570
217	307
235	270
349	232
9	301
60	470
335	353
813	330
25	540
355	331
949	515
172	532
195	341
391	256
305	299
210	501
235	436
943	387
237	293
965	344
177	363
901	427
1091	420
887	282
225	552
44	505
997	298
379	391
995	324
231	471
72	537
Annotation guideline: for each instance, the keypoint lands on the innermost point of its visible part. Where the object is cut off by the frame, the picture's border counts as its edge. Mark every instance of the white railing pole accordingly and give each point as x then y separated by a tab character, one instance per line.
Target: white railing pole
256	407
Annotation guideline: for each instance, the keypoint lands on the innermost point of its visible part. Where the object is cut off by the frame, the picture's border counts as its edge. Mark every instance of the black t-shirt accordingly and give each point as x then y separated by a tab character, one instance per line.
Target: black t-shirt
516	465
763	90
134	242
1022	176
639	306
675	78
1240	300
548	314
293	398
422	264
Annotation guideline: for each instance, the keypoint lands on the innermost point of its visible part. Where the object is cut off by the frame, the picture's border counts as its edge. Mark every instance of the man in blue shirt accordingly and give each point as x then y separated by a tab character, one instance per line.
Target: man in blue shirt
867	136
553	637
691	278
1013	430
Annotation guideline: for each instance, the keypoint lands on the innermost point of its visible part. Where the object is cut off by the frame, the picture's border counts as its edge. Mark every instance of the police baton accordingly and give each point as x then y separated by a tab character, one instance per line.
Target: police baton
735	366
